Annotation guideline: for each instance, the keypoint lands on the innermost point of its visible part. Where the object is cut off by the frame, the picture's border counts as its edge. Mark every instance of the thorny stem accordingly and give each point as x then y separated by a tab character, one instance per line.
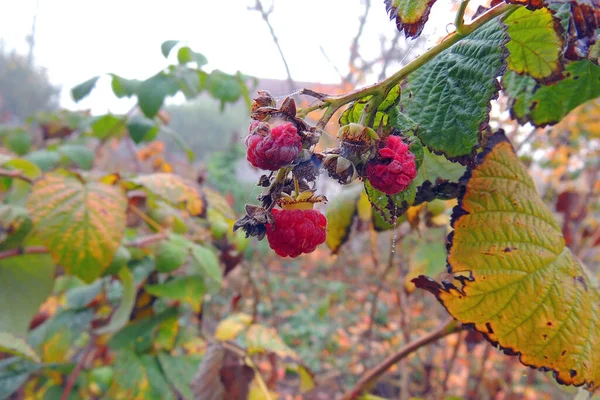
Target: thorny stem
333	103
449	327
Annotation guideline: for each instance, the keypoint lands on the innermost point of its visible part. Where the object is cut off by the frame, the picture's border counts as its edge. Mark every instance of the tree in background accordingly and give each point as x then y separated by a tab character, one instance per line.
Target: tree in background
24	89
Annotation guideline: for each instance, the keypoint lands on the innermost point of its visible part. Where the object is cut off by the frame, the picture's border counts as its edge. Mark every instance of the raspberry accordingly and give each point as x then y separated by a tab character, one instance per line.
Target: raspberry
274	150
395	168
296	231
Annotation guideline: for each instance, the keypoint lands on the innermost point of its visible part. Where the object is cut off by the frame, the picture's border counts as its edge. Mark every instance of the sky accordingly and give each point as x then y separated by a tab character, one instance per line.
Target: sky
79	39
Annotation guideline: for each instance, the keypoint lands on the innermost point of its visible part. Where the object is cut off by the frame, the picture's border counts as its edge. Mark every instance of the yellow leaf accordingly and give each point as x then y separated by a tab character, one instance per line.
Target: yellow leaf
233	325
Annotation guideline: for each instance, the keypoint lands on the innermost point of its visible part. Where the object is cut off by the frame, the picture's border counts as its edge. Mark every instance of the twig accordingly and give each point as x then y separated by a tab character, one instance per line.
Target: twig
455	349
147	240
481	374
90	350
388	56
20	251
16	174
265	16
449	327
354	54
342	77
146	218
382	278
334	103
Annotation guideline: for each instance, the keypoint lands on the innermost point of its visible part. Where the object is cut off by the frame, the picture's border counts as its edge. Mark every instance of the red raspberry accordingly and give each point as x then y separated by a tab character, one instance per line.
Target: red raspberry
395	168
276	149
296	231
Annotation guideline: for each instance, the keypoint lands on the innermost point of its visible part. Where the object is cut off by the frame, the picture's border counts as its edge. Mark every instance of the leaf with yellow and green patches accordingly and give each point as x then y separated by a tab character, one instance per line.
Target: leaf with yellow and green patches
81	223
260	339
175	190
230	327
410	15
515	280
535	44
340	217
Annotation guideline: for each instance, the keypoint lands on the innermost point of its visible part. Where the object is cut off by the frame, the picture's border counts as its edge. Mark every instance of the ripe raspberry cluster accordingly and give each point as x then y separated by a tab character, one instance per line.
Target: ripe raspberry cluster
395	168
275	148
294	232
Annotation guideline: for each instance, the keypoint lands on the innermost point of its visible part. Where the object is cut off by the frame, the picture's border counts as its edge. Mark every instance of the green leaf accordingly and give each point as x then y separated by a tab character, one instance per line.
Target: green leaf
108	126
354	111
19	141
46	160
410	15
81	296
189	289
172	253
437	168
139	334
16	346
57	336
14	373
142	129
122	87
179	372
547	105
25	282
224	87
152	92
516	281
167	46
205	262
81	223
186	55
535	46
15	224
138	377
121	315
391	207
175	190
79	154
340	217
121	258
83	89
20	188
449	97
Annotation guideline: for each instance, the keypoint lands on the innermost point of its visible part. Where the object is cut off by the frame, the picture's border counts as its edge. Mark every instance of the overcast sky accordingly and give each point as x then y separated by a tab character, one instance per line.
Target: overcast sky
78	39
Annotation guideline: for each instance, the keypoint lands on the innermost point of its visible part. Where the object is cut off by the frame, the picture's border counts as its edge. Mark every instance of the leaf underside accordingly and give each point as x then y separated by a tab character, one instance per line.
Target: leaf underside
450	96
515	280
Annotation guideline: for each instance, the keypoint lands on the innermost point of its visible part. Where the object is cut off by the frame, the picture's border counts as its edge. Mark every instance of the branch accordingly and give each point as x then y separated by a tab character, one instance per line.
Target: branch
16	174
20	251
147	240
265	16
459	21
334	103
447	328
89	351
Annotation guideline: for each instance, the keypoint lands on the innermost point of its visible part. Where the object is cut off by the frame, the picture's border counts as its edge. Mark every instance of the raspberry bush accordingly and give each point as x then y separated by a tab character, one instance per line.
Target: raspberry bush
143	283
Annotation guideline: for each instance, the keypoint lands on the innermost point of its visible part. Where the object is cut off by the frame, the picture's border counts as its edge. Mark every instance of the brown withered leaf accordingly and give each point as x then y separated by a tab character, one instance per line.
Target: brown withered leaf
410	15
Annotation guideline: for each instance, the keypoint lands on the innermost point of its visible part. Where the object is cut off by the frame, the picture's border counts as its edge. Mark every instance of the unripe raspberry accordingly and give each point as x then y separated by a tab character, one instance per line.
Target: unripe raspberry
395	168
274	149
296	231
